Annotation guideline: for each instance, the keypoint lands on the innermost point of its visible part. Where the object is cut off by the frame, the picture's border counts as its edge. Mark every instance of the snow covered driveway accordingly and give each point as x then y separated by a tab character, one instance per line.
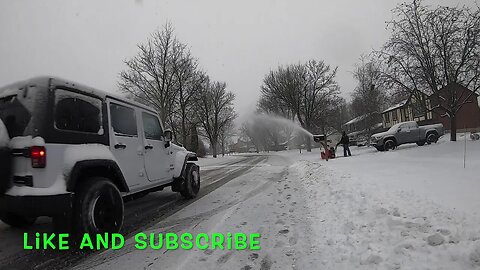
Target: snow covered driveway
413	208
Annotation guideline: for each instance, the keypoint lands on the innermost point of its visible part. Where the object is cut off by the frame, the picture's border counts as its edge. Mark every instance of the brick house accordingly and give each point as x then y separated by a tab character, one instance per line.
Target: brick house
468	117
424	109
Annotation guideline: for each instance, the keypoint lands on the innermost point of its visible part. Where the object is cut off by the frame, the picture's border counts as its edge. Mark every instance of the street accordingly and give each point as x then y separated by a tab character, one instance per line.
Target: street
139	215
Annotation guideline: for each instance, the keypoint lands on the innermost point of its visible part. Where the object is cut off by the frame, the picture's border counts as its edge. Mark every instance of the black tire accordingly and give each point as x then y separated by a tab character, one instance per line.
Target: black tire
62	224
5	169
98	207
17	221
389	144
191	185
421	143
432	138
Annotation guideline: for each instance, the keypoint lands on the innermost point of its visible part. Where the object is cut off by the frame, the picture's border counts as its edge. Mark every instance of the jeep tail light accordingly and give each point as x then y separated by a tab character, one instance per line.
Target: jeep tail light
38	155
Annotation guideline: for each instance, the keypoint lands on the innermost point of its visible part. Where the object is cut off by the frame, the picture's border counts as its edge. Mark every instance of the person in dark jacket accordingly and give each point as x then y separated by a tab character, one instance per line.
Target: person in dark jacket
345	141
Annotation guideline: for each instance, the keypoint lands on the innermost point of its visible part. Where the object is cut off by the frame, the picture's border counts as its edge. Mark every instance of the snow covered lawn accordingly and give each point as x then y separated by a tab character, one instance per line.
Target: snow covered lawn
413	208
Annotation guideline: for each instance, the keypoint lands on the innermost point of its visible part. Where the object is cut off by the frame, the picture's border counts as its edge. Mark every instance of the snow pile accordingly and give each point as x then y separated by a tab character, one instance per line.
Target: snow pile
413	208
25	142
4	139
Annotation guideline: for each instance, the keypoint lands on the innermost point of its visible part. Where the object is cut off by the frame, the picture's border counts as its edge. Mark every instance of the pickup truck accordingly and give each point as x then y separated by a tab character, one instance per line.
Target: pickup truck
406	132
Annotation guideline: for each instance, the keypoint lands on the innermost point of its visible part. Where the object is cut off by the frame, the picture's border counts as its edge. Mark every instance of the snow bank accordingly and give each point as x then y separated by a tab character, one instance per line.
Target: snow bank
4	139
412	208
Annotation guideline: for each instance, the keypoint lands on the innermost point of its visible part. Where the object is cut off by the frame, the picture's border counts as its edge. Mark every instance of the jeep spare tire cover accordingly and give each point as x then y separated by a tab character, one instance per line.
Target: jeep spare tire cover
5	159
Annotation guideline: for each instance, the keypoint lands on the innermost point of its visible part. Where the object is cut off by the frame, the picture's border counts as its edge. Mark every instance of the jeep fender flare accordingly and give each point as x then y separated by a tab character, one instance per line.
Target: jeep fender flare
180	171
182	158
96	167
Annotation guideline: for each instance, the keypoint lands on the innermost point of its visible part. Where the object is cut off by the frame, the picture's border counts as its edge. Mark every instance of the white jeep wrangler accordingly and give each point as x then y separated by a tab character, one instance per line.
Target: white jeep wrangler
75	153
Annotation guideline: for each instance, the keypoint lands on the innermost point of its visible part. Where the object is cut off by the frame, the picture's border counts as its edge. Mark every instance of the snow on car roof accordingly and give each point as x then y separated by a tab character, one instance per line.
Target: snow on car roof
401	123
43	80
9	92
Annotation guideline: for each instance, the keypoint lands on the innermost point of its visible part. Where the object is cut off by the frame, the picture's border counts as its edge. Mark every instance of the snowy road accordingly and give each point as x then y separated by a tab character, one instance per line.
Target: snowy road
140	214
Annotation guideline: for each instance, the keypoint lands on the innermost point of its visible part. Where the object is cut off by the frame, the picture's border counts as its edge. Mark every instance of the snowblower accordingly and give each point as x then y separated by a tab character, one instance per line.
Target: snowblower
329	152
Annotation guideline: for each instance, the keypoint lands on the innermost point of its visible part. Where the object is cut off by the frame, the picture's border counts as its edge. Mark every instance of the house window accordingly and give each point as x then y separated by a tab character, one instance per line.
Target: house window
394	116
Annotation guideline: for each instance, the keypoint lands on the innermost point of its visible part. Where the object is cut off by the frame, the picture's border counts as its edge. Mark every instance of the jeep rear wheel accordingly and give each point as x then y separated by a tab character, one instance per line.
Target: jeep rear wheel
17	221
389	145
98	207
191	184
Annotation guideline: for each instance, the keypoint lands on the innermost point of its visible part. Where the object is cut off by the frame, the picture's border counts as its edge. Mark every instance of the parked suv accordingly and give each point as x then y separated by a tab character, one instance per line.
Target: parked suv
74	153
406	132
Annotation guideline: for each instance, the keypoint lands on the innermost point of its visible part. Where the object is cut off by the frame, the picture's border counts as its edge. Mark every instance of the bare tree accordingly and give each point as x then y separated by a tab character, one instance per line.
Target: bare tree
368	96
149	77
431	48
189	80
215	111
226	133
302	88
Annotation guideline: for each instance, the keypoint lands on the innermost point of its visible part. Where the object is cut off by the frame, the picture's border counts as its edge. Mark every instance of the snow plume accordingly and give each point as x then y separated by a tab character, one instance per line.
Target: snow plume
271	132
266	119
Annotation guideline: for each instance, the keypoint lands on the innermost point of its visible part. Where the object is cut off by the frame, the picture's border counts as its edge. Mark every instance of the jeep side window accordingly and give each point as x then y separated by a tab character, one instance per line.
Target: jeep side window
123	120
74	112
151	125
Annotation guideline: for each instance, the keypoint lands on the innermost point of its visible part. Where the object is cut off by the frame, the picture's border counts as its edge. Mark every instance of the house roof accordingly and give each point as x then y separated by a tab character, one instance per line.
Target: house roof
397	106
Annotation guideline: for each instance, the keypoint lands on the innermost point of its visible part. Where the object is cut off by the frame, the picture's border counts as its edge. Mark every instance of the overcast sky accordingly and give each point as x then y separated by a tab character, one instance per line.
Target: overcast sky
236	41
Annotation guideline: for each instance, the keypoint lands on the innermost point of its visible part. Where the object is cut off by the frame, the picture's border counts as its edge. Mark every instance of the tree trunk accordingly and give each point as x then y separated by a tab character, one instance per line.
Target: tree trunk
214	149
453	128
193	139
184	134
223	148
308	143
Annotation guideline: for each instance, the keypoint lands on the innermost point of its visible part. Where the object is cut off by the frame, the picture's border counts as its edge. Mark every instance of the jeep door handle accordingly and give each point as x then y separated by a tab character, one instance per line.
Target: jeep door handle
120	146
148	147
